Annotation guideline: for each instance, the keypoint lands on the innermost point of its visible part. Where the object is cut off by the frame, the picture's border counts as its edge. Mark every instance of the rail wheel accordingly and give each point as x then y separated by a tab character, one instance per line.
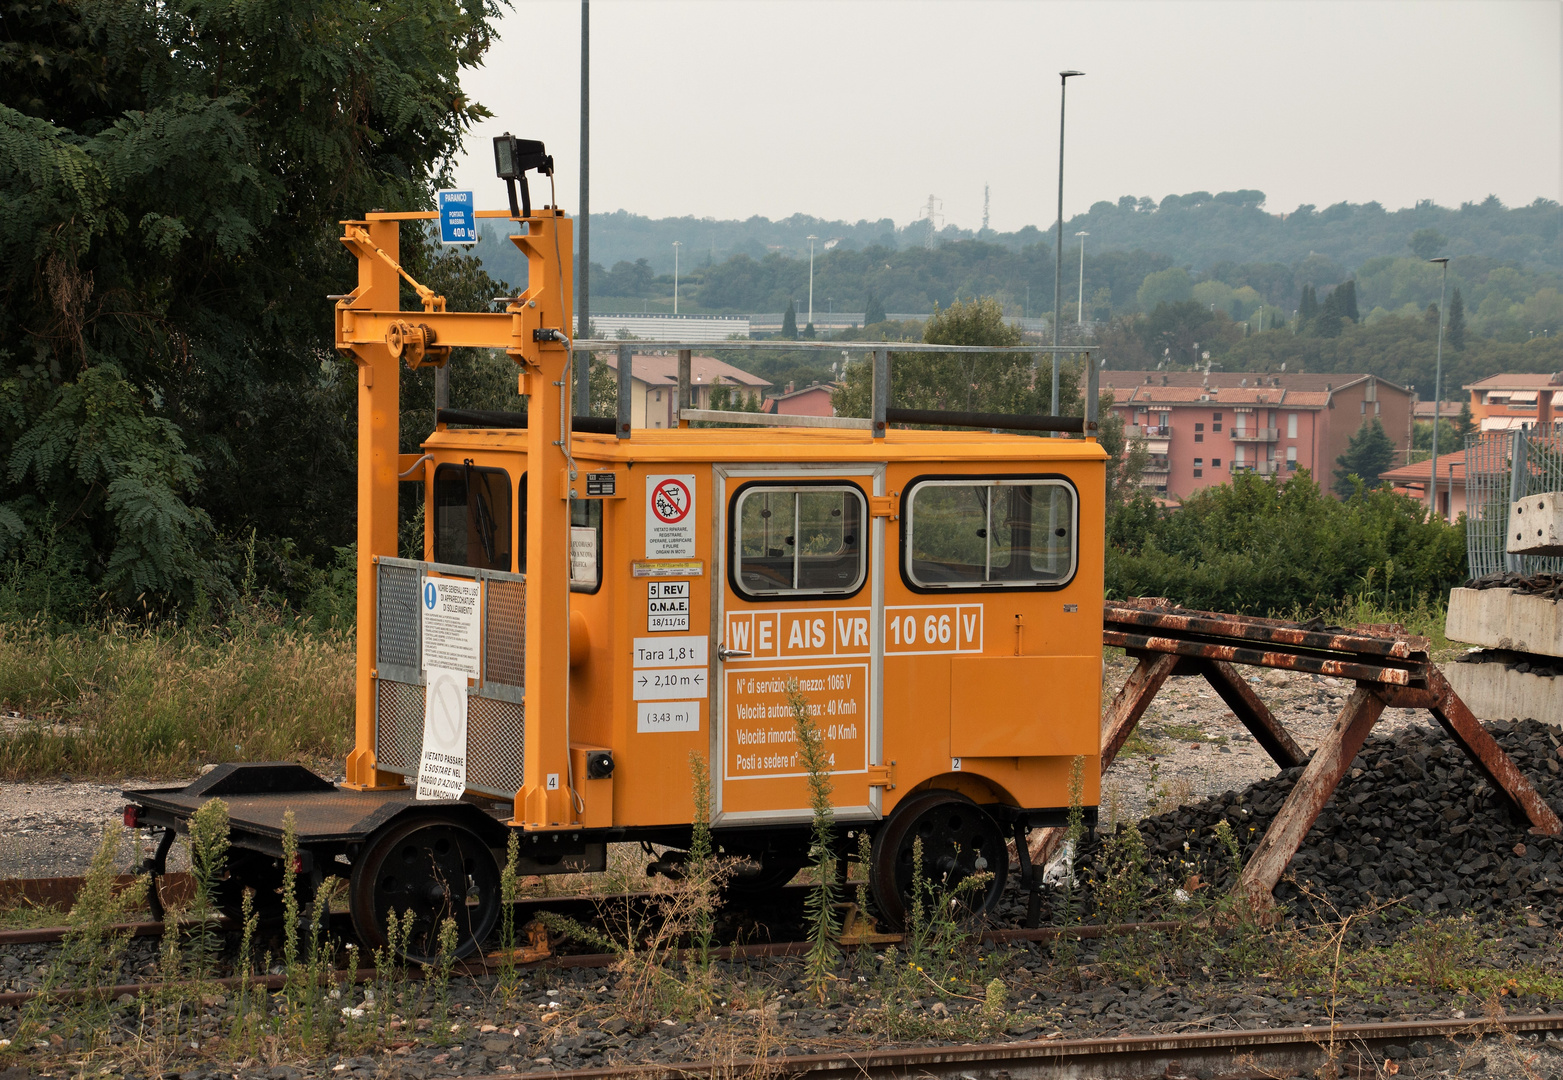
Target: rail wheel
434	868
959	839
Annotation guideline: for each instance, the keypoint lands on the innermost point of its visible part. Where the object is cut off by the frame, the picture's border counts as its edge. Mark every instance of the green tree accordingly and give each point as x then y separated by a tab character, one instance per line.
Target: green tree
1454	329
171	182
1427	243
1307	307
968	382
1253	546
873	310
789	328
1369	453
1170	286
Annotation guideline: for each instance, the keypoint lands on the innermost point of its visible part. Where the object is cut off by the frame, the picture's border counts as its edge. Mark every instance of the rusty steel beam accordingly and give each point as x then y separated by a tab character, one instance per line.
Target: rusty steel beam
1254	713
1498	767
1235	654
1308	796
1131	701
1267	631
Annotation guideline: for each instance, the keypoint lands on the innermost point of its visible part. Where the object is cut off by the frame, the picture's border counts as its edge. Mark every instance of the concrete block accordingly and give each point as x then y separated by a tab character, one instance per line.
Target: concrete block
1495	691
1505	619
1536	525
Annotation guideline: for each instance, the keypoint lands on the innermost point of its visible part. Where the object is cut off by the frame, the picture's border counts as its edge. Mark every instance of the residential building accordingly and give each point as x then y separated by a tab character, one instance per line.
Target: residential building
1201	427
1504	402
812	400
654	385
1447	410
1412	480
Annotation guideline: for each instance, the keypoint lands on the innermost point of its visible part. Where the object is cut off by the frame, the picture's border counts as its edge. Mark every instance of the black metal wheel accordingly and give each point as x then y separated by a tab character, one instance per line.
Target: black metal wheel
959	839
434	868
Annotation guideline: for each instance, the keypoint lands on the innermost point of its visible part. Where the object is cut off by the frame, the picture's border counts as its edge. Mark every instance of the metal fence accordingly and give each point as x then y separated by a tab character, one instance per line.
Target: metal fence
1502	467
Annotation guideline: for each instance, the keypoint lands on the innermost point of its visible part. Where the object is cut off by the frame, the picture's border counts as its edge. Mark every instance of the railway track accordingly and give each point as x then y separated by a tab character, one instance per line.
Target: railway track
1355	1049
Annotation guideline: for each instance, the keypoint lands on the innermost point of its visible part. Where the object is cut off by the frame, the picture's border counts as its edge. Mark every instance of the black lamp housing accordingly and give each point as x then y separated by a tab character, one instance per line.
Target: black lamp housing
513	158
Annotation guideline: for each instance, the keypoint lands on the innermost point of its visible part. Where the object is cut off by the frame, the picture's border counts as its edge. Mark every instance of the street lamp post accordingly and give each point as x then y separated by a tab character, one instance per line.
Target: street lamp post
676	245
1080	304
1438	389
811	240
1058	248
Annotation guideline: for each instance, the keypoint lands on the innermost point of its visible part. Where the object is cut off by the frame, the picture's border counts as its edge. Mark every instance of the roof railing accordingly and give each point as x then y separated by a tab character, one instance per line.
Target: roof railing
882	413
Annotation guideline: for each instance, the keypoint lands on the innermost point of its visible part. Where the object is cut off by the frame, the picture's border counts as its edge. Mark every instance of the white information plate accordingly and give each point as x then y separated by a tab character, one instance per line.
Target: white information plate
667	606
452	615
689	650
668	684
651	717
583	556
670	516
442	767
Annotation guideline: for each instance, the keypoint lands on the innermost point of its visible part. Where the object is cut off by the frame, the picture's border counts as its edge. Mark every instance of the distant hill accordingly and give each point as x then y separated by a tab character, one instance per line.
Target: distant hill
1139	251
1196	230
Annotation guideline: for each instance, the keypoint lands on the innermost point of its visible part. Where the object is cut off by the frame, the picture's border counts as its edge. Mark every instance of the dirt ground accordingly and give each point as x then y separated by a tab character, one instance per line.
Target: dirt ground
1189	747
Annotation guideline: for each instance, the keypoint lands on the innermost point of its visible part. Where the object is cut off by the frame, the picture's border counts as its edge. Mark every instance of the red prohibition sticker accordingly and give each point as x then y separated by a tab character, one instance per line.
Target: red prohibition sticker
670	501
670	518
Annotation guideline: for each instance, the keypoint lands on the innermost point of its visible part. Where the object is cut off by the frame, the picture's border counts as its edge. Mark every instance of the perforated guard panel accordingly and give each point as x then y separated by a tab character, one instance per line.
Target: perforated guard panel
399	623
495	731
496	741
398	726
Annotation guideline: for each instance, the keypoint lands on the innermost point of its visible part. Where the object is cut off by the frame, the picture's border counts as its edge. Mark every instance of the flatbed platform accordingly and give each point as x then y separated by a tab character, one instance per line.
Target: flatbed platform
259	796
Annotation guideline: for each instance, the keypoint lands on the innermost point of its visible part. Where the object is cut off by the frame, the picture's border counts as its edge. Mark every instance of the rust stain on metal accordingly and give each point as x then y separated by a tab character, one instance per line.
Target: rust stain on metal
1354	670
1457	719
1308	796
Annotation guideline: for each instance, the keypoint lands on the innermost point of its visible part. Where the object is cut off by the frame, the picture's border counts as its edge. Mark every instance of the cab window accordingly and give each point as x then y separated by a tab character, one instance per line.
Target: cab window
997	532
472	511
585	545
792	541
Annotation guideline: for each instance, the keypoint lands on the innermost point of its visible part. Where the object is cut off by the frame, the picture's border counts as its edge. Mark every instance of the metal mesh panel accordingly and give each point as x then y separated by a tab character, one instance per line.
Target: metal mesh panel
504	636
1500	467
398	726
398	622
496	740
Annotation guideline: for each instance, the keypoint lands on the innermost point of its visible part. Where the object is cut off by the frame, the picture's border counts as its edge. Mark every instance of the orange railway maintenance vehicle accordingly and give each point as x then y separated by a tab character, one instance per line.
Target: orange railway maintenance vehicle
595	605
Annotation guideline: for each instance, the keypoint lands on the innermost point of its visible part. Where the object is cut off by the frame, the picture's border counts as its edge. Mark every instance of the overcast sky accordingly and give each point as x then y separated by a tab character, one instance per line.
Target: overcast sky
862	110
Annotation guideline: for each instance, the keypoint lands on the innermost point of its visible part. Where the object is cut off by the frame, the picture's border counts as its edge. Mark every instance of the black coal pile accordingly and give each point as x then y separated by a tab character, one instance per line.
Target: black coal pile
1412	821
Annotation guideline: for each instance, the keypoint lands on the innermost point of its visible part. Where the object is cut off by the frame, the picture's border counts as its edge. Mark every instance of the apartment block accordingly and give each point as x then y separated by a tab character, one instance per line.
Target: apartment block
1201	427
1505	402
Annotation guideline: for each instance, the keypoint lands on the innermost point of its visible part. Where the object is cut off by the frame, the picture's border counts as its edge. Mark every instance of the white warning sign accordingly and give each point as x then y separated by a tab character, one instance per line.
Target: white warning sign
452	611
670	517
583	556
667	606
442	769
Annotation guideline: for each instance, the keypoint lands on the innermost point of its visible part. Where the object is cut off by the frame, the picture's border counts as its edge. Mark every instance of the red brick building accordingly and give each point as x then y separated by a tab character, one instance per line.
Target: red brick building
1200	427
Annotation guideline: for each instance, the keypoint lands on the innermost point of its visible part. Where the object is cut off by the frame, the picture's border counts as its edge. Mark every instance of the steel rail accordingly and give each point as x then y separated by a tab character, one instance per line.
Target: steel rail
1258	1052
493	962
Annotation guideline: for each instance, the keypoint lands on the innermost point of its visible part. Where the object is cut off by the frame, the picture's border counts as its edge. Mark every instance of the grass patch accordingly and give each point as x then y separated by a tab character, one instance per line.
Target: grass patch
119	700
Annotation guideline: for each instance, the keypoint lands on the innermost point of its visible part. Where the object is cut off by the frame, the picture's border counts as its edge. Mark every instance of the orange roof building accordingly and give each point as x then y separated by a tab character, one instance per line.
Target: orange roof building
654	385
1412	480
1504	402
1201	427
